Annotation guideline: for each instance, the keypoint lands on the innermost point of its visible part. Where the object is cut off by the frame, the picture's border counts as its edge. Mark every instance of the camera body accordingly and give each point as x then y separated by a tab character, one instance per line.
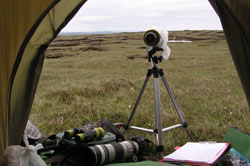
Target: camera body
157	38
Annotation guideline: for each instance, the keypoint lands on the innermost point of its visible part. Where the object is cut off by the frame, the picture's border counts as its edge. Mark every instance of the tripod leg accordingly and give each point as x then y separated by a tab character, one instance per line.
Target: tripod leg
174	102
138	98
158	124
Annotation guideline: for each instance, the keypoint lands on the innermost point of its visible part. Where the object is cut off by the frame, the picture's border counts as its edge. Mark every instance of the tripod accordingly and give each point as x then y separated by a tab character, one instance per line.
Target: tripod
158	131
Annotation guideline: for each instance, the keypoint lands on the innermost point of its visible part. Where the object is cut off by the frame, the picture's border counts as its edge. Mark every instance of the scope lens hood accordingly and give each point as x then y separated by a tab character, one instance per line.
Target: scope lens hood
151	37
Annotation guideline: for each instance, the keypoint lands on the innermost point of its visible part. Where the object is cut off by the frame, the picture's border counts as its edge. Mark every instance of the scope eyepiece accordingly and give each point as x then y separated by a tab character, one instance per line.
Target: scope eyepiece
151	37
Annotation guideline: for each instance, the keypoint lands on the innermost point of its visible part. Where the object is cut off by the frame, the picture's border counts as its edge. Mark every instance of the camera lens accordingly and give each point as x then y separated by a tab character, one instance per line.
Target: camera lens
151	38
107	153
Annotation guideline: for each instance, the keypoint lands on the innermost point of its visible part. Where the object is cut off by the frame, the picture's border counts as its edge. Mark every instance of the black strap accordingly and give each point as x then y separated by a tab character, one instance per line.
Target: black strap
109	126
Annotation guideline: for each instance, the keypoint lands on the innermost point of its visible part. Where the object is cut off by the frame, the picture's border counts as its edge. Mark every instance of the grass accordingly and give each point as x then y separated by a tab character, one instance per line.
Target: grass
89	77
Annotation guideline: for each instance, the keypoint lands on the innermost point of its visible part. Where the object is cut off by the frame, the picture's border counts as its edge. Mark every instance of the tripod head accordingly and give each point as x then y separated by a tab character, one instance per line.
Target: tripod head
151	51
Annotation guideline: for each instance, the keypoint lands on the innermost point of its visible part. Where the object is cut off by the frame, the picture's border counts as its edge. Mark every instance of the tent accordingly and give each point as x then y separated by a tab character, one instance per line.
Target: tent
27	27
234	16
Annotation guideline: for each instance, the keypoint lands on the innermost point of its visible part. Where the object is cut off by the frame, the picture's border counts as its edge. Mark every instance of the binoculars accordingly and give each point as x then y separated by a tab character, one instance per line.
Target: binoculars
85	135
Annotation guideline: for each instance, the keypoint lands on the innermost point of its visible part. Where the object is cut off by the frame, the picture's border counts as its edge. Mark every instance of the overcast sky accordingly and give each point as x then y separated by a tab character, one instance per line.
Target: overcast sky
132	15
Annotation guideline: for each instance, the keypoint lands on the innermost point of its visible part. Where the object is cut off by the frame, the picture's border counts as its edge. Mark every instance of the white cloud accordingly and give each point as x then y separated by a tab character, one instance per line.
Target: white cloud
131	15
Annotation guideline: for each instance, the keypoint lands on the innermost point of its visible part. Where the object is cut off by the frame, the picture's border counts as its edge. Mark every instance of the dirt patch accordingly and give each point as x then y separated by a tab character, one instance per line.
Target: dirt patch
92	49
53	56
71	40
117	42
137	56
64	44
143	47
59	49
56	55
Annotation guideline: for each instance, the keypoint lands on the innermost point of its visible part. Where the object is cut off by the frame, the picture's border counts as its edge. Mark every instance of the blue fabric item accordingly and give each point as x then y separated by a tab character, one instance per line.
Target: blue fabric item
237	158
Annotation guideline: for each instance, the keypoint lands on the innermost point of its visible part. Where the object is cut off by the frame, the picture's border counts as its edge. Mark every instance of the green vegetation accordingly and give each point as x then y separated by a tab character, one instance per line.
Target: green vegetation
89	77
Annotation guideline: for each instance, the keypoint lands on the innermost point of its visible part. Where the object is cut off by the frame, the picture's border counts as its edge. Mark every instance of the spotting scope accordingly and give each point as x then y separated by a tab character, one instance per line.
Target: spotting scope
157	38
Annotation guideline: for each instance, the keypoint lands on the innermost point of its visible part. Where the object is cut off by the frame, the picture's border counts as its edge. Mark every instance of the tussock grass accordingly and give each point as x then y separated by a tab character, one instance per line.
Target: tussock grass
104	73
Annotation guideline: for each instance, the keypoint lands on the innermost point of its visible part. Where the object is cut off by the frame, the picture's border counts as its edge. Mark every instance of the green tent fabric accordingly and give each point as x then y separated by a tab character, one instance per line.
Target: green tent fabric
26	29
234	16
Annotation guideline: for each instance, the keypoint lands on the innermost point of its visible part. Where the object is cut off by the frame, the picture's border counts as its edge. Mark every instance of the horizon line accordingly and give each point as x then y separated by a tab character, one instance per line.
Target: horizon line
108	32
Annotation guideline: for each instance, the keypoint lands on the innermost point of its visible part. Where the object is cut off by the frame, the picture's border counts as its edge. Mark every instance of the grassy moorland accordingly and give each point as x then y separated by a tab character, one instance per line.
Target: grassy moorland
89	77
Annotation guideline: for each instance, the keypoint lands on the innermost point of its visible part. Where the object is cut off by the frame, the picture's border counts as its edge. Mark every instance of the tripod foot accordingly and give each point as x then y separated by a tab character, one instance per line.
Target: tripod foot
160	148
126	127
185	124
